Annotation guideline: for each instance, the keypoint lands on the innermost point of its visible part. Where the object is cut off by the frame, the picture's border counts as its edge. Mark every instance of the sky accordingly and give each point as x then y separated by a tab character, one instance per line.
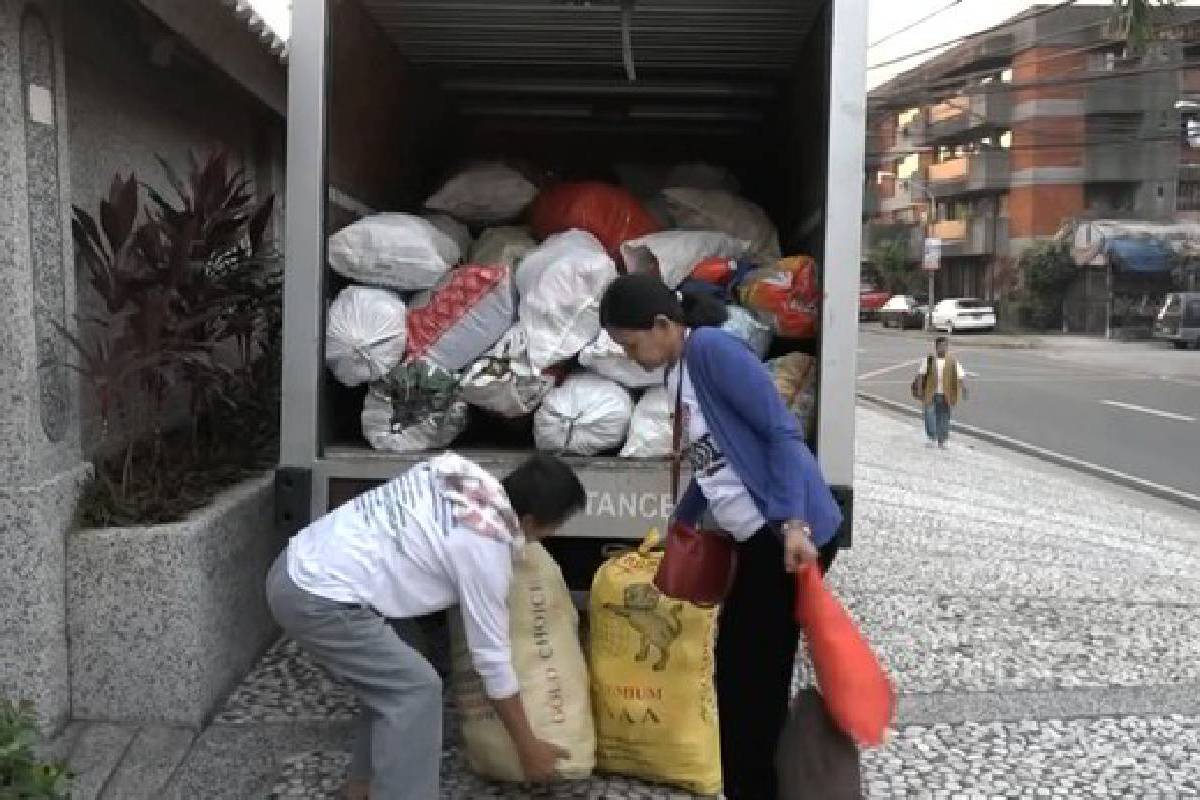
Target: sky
962	17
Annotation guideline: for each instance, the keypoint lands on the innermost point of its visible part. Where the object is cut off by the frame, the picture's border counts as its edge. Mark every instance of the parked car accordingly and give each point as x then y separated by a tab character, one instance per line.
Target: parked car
1178	321
964	314
870	301
903	311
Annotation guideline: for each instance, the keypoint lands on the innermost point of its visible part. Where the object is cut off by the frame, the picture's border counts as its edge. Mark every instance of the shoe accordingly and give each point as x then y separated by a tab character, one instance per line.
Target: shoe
356	790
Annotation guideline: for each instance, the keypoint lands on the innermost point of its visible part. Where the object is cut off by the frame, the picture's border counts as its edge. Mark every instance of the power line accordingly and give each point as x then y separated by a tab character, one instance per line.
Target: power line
1041	12
912	25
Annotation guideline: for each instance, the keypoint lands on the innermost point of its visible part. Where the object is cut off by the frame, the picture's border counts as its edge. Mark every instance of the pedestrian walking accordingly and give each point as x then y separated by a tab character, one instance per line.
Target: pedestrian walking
939	385
444	533
755	477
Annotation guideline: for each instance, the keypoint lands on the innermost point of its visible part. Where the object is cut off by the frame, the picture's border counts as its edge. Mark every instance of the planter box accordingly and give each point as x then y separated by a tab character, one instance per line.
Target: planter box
164	620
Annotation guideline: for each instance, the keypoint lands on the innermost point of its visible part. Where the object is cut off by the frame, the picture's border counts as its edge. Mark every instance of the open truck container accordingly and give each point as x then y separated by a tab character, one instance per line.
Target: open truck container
386	96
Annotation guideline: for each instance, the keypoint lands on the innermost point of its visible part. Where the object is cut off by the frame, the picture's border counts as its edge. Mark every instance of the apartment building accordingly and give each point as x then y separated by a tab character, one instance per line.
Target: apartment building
1002	140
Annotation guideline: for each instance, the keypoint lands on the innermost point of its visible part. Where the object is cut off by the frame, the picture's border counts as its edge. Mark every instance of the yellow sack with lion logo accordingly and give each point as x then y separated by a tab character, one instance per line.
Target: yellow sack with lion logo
551	670
652	678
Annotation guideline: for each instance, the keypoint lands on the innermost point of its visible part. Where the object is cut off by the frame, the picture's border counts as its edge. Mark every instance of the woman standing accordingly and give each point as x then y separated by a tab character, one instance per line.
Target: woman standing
753	473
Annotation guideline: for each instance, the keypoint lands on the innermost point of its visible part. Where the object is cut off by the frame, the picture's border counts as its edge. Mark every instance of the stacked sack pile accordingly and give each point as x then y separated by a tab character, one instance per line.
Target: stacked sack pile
487	302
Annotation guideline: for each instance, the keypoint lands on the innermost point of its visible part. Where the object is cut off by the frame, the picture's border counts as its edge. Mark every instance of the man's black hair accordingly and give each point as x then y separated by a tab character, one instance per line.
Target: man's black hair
545	488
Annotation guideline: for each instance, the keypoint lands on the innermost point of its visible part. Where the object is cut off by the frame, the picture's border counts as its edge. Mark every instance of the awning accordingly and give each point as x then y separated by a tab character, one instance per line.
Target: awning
1142	254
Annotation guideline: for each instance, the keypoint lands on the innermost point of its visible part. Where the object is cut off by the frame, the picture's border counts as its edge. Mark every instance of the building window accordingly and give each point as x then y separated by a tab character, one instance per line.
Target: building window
1188	196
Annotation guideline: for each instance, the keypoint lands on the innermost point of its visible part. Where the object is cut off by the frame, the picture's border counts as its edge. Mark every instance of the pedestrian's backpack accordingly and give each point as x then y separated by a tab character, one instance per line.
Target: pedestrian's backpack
551	671
815	760
652	678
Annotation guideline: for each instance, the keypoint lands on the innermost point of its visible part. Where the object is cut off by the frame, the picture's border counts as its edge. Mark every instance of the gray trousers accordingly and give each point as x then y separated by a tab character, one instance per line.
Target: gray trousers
399	743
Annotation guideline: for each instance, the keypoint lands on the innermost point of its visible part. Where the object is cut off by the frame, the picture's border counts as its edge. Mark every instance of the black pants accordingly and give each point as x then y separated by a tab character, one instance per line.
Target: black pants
756	652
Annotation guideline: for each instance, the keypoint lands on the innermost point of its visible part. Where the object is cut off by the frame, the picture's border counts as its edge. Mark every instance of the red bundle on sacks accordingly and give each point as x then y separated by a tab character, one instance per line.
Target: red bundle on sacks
610	213
717	271
787	294
459	320
856	690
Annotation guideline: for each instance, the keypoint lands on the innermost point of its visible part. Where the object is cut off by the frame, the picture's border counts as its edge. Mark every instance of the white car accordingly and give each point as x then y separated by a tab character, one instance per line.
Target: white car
964	314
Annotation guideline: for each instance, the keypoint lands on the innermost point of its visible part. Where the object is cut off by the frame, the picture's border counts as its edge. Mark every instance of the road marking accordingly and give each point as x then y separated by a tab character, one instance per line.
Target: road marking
1144	410
1062	459
875	373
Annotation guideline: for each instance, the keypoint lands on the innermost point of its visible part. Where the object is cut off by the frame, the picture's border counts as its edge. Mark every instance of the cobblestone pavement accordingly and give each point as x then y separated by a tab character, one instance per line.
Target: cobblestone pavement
1043	629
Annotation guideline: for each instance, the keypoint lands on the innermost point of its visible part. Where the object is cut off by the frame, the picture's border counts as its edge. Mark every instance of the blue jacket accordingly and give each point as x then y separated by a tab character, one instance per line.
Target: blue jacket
758	434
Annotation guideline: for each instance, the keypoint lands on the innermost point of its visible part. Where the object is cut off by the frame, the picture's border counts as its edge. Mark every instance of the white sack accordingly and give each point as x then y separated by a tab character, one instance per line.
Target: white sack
608	359
365	334
585	416
750	329
504	382
503	245
431	432
484	194
551	671
560	285
399	251
712	209
672	255
650	429
448	225
465	314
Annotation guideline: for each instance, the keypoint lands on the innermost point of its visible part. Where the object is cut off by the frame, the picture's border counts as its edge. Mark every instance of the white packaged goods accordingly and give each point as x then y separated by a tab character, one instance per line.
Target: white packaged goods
672	255
607	358
747	327
699	175
712	209
448	225
585	416
399	251
650	429
365	334
415	408
560	285
484	194
504	245
504	382
464	315
551	671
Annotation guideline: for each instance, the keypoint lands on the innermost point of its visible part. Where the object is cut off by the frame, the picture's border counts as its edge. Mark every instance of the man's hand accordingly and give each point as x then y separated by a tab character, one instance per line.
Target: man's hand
539	759
798	548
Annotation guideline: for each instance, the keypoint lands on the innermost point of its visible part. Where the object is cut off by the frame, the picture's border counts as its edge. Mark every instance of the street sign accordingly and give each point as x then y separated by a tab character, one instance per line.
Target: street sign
933	255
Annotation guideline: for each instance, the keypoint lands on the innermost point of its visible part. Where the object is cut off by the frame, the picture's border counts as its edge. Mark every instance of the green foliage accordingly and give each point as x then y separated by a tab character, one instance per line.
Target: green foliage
24	776
192	294
1047	270
1138	18
896	272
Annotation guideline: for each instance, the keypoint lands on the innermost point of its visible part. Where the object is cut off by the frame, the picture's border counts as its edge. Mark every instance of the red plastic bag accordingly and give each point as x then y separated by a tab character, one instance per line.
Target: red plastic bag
787	294
857	691
465	314
717	271
610	213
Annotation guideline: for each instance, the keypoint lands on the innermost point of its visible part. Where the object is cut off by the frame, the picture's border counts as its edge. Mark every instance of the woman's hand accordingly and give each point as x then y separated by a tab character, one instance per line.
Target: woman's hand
798	548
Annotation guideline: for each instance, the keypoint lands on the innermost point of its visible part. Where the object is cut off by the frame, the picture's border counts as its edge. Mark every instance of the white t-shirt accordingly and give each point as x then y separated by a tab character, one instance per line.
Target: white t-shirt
940	370
400	550
729	501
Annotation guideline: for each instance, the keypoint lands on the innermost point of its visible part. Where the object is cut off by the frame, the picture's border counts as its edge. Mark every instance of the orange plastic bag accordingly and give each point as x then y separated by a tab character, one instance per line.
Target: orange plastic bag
857	691
717	271
611	214
787	294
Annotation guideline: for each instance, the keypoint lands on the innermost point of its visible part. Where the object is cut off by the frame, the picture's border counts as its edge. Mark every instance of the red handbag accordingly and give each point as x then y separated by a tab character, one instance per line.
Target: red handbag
856	689
697	565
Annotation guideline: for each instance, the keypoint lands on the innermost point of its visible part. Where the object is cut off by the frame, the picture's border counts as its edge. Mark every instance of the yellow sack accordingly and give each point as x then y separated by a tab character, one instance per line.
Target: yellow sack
652	678
551	671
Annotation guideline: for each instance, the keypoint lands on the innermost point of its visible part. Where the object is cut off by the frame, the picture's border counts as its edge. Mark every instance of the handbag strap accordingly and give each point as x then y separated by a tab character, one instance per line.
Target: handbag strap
677	429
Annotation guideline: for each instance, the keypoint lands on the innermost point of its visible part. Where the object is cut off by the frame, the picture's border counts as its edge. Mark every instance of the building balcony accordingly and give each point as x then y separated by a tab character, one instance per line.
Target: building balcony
977	236
990	108
982	172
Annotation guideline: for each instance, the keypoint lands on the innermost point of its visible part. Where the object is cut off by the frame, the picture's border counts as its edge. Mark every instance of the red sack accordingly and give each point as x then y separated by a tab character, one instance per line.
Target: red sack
717	271
857	691
610	213
462	317
787	294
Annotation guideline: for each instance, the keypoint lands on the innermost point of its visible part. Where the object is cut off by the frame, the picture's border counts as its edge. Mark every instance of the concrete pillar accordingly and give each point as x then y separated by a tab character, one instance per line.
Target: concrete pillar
41	471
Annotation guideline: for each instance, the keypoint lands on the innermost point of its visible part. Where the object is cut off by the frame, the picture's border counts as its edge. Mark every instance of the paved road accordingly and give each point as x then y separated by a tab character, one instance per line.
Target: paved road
1131	407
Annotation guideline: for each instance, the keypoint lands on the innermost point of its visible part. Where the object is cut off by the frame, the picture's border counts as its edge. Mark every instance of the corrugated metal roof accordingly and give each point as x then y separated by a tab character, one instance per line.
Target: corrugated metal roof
244	11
